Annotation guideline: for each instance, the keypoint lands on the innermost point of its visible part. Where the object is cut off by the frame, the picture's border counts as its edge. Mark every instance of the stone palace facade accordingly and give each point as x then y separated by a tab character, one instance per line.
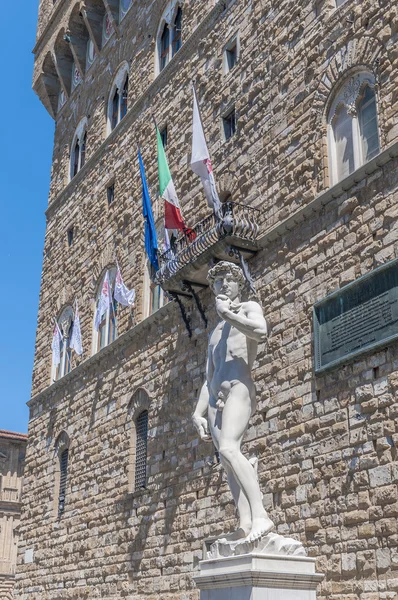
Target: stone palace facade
12	458
299	104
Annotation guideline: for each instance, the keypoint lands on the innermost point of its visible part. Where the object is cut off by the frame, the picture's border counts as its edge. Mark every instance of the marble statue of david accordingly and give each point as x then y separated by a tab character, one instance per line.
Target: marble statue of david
228	395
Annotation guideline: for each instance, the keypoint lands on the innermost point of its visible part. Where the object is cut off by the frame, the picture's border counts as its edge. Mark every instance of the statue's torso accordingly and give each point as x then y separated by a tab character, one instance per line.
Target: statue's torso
232	353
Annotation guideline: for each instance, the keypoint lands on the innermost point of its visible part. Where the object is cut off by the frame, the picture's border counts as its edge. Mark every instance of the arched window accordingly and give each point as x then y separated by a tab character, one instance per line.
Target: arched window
141	450
65	324
169	39
353	132
78	148
63	475
164	47
62	446
137	423
107	321
118	97
177	39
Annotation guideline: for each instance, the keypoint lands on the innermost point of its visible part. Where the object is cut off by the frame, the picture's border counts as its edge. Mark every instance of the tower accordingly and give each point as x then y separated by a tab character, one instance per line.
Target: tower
299	109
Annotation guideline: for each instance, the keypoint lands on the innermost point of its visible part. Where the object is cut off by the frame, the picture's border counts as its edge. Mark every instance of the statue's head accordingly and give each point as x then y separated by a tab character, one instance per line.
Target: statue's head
227	279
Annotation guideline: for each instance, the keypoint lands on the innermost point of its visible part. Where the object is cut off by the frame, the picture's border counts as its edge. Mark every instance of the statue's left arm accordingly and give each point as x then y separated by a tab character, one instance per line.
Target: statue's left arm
250	322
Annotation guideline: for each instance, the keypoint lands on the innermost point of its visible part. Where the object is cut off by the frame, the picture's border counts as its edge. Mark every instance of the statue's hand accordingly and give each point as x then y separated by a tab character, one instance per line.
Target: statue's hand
201	427
223	304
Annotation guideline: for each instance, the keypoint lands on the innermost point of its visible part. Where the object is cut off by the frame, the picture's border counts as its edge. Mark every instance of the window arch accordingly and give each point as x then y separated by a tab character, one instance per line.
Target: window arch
62	446
78	148
169	38
65	324
118	98
138	419
353	131
107	330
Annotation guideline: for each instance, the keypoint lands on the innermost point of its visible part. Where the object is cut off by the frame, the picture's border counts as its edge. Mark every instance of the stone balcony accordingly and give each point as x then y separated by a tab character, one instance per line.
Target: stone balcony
215	239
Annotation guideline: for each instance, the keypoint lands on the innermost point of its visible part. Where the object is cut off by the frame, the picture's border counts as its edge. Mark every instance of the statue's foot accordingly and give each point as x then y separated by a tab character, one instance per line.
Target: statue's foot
260	528
239	534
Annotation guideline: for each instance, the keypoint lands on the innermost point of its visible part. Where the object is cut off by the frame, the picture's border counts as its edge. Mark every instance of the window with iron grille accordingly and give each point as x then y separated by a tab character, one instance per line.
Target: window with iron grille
141	426
63	462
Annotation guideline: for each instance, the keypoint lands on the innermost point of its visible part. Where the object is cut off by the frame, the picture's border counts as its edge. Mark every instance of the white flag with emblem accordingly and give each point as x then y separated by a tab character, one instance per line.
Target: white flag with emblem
76	338
56	344
122	294
103	301
200	159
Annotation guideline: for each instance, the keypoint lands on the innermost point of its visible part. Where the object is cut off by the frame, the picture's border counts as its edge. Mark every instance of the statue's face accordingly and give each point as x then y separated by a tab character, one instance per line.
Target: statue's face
226	285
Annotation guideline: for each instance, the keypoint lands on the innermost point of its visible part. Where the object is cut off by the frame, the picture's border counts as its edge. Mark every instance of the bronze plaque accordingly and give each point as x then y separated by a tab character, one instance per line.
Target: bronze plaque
360	317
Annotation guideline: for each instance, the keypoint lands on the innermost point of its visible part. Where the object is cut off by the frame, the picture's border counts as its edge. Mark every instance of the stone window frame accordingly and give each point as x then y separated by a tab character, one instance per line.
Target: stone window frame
65	323
168	19
96	335
139	403
347	94
231	108
234	41
62	443
117	86
80	138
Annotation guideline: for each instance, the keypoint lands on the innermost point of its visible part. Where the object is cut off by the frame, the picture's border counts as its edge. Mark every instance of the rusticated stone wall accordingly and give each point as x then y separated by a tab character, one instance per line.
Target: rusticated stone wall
326	444
12	458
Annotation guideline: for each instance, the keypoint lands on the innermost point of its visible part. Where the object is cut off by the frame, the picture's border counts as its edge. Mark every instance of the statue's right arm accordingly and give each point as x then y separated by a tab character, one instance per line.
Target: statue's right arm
198	418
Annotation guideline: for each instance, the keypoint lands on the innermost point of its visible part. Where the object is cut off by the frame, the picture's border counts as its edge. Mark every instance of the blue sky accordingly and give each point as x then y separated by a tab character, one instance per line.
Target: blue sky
25	161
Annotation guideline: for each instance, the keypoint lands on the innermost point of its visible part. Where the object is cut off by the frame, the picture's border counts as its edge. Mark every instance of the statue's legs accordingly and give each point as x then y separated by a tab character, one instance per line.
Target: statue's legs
235	419
245	515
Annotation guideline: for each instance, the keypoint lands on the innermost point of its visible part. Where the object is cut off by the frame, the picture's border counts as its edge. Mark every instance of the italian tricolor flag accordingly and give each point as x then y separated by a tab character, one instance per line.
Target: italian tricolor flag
172	211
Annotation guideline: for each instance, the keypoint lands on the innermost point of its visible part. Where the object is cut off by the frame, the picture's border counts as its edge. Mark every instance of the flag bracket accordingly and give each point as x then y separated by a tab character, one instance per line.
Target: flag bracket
185	318
200	308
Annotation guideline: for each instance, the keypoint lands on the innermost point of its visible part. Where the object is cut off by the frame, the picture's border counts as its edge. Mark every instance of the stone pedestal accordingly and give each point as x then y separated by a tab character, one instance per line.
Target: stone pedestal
258	577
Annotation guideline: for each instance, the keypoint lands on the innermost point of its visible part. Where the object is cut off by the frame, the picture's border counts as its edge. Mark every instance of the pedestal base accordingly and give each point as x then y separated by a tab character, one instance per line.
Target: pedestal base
258	577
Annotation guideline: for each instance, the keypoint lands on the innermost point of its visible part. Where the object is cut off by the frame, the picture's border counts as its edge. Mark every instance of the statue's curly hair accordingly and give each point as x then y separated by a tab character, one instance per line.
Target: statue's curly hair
229	267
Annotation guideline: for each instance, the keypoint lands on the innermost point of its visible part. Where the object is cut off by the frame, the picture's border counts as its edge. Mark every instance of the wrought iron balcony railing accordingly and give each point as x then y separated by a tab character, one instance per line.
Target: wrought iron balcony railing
238	227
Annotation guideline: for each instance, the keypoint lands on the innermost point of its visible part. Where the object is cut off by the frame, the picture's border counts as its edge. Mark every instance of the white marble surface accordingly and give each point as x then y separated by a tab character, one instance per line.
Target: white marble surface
258	577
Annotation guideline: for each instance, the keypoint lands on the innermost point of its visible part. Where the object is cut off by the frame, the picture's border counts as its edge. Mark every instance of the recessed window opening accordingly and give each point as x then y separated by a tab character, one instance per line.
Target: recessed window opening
229	124
65	324
177	40
78	152
118	102
141	450
115	109
110	192
107	325
70	234
231	54
63	463
123	104
164	47
169	38
163	135
353	132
